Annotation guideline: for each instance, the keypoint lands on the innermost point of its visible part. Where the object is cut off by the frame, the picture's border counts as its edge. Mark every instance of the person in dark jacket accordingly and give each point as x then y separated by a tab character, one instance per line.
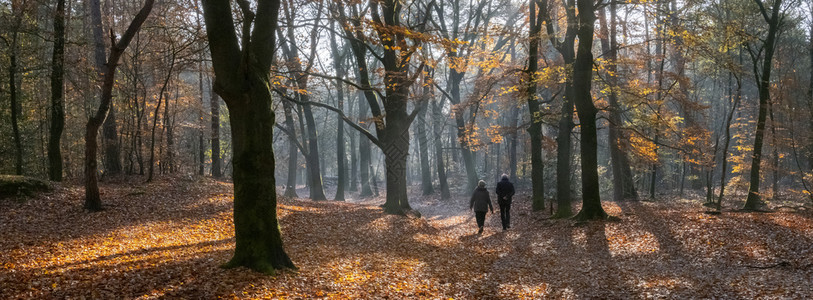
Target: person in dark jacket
480	203
505	190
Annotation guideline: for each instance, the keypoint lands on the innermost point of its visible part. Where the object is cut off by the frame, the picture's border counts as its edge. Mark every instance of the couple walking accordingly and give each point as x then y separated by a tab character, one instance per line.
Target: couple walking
481	202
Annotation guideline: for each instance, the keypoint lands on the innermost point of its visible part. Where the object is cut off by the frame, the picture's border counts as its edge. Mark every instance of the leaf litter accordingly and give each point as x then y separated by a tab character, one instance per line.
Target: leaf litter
168	239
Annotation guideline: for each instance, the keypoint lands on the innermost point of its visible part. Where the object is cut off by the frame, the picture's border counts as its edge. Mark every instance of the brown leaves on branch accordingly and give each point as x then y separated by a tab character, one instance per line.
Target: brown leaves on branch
167	240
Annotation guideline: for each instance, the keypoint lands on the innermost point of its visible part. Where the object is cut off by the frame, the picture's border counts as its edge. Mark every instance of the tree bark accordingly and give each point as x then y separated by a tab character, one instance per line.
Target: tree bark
290	48
535	129
563	138
365	155
623	184
242	79
583	72
57	100
455	78
423	143
216	160
341	157
93	201
724	166
293	165
437	127
112	153
155	116
763	81
16	108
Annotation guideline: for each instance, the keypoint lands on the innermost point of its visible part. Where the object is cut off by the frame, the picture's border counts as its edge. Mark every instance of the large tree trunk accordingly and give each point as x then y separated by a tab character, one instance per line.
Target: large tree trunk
396	150
563	139
92	199
583	72
535	129
57	100
242	79
763	81
623	184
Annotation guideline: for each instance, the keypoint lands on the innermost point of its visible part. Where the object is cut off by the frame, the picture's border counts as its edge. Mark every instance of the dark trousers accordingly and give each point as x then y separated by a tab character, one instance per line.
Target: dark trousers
505	214
481	218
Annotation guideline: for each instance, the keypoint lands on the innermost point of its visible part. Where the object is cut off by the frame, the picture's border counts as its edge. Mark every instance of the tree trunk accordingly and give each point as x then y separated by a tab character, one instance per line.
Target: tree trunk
623	184
775	162
753	201
563	155
293	165
169	118
155	116
354	160
57	100
364	155
468	157
112	155
423	143
724	167
437	127
242	79
92	199
216	160
15	105
341	157
512	147
583	72
535	129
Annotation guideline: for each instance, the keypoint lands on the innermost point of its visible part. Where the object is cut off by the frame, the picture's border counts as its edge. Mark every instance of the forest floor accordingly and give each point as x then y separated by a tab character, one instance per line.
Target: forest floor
167	240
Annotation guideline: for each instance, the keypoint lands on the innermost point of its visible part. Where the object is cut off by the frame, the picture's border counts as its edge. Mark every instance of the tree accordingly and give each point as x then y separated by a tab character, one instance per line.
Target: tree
623	185
242	71
567	51
14	95
586	109
341	157
420	133
93	201
535	129
112	159
155	114
216	160
763	79
392	124
301	77
57	99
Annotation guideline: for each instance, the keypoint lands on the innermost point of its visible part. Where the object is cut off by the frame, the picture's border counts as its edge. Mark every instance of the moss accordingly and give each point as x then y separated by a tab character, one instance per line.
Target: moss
14	185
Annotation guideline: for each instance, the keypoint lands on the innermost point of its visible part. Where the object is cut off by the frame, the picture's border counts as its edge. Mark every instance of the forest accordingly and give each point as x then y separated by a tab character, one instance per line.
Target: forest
344	149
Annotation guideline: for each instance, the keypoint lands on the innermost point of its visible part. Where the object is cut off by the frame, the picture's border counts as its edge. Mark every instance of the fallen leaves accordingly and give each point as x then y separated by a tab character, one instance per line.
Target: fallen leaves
169	239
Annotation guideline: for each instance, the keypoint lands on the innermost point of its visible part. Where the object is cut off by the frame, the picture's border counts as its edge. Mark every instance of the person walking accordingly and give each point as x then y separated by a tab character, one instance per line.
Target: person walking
505	190
480	203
